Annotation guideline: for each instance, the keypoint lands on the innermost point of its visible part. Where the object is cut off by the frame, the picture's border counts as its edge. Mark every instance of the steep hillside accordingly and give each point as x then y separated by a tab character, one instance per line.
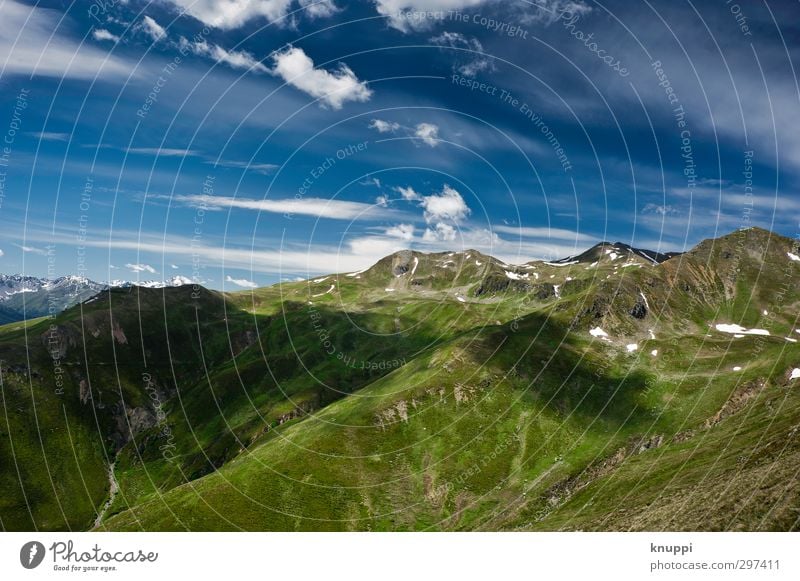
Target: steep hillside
617	389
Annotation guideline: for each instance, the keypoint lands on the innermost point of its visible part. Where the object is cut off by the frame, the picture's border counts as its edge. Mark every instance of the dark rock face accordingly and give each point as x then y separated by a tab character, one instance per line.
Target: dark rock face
130	422
639	310
401	262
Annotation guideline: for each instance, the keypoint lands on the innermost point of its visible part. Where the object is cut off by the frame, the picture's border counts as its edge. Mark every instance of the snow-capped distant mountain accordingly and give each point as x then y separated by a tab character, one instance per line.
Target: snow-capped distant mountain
177	280
28	297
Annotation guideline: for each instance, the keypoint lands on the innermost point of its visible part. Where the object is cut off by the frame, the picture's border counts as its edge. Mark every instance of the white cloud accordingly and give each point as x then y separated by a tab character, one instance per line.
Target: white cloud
545	233
174	266
384	126
472	64
663	210
31	249
448	206
2	253
441	232
401	231
229	14
31	45
322	208
140	268
151	28
103	34
163	151
234	59
408	15
242	282
408	193
428	133
49	136
331	88
382	201
319	8
261	168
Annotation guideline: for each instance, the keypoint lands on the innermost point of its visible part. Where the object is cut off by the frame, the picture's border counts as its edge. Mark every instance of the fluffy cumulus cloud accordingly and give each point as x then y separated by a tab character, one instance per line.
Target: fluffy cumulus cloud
242	282
140	268
428	133
151	28
447	206
408	193
229	14
382	126
331	88
440	232
401	231
103	34
234	59
319	8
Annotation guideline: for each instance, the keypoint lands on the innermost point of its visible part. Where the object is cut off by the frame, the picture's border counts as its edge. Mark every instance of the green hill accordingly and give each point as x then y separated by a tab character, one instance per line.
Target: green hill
618	389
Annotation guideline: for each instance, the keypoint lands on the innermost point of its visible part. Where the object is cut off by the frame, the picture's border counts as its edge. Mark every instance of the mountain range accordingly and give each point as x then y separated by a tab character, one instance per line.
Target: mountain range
27	297
619	389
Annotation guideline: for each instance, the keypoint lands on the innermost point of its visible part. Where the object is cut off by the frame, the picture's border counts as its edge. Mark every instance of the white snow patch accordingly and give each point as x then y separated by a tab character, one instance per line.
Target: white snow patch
562	263
478	263
631	264
355	274
790	340
765	312
416	264
592	265
654	352
653	260
737	368
318	280
515	276
556	288
569	278
614	256
462	299
646	304
739	330
552	276
330	290
793	257
631	347
652	335
390	290
795	373
598	332
738	336
536	276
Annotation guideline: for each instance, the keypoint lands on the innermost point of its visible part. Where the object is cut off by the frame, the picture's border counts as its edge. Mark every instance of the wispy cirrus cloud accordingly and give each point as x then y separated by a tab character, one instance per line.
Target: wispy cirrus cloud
317	207
32	43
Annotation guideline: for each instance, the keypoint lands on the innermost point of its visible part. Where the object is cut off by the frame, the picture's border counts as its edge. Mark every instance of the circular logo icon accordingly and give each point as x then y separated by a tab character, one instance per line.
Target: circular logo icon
31	554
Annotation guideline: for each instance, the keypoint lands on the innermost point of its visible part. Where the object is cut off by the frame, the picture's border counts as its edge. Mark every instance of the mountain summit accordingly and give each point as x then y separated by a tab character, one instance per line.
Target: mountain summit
616	390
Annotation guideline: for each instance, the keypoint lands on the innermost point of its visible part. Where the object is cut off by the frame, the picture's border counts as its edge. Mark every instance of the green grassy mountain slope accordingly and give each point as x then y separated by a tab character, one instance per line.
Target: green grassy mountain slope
449	391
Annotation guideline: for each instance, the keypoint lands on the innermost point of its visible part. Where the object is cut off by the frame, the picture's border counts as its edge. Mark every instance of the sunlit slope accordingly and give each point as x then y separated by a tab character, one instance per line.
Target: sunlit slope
431	391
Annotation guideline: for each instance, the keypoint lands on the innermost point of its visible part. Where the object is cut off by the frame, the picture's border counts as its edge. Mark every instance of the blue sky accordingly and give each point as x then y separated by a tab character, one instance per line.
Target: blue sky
241	143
